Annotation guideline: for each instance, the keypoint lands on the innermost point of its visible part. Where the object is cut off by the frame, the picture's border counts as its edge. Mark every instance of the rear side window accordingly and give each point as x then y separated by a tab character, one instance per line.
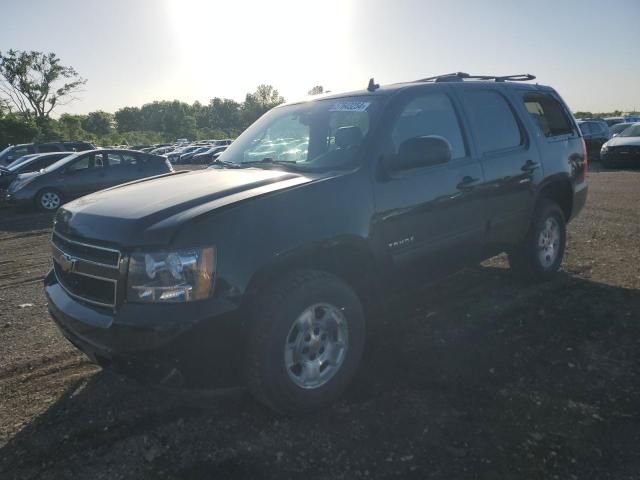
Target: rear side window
585	128
431	114
548	114
493	121
48	148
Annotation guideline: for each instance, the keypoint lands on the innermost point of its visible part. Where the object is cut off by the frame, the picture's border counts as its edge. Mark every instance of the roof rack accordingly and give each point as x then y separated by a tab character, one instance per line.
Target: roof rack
461	76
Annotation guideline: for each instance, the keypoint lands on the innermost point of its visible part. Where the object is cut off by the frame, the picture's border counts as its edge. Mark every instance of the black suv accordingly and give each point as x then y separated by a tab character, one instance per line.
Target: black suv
260	271
14	152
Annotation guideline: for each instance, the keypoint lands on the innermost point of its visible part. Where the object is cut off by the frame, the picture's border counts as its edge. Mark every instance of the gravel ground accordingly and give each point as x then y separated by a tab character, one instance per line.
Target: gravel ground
476	377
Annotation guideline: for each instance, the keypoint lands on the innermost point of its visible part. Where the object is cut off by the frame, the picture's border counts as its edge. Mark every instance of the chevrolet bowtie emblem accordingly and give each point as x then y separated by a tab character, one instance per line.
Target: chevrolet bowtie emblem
67	262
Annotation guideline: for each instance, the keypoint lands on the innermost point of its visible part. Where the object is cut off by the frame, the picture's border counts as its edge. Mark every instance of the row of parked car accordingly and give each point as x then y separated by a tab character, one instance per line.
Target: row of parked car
201	152
614	140
49	174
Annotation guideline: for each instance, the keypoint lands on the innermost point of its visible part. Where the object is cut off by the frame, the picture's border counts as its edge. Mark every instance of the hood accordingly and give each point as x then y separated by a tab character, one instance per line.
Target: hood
24	176
150	211
623	141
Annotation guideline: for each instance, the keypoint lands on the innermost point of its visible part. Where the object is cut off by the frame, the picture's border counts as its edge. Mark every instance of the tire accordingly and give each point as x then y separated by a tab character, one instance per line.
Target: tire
312	310
48	200
540	255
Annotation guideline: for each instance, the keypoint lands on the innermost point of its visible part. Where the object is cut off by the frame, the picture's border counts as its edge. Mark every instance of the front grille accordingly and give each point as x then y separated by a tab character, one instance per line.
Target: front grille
91	253
87	272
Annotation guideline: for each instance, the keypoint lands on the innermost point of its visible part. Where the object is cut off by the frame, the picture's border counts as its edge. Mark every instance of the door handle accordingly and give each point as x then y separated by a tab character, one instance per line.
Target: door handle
530	166
467	183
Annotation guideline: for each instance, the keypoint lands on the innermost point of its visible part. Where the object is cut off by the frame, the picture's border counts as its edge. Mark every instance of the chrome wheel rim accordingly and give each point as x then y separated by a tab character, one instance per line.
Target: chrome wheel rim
549	242
50	201
316	345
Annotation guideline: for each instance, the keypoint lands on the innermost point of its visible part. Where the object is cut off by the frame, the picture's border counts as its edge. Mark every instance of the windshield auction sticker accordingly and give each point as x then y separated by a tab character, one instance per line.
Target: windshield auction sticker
350	107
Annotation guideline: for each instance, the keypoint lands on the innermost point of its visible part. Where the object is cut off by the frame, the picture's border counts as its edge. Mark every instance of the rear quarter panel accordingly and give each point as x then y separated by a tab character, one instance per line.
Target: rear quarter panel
562	157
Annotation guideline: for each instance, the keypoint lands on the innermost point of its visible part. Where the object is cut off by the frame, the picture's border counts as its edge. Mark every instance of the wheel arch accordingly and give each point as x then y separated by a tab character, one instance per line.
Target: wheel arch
560	191
349	259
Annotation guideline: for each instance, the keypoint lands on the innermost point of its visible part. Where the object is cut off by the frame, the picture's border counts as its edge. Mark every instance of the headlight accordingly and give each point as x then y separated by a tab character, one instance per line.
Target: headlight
179	276
19	184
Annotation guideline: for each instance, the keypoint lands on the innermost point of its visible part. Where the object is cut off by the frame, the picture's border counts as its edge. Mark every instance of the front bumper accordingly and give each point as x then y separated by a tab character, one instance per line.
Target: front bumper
17	200
191	345
621	155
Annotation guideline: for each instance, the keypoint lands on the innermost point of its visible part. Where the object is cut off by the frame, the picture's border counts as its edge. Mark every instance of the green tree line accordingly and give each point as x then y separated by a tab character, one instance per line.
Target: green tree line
155	122
33	84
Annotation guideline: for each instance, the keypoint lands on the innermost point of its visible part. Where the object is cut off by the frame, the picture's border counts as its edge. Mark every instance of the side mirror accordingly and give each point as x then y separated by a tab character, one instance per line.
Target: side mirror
423	151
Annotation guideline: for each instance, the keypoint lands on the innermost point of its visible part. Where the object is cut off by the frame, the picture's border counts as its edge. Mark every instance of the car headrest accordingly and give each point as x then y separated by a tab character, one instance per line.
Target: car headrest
348	136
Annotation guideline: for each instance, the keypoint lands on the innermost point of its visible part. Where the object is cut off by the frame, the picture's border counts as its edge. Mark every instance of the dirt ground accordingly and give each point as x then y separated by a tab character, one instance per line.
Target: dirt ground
477	377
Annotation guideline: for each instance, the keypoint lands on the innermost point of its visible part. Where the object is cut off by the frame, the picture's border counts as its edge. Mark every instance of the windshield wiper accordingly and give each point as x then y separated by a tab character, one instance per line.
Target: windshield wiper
224	164
269	161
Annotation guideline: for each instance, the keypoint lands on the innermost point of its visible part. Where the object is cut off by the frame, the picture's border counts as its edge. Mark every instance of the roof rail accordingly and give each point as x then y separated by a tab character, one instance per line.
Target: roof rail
461	76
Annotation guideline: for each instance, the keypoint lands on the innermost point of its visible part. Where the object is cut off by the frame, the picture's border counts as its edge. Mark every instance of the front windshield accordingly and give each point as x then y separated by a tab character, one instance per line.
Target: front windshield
4	152
21	161
62	161
632	131
316	136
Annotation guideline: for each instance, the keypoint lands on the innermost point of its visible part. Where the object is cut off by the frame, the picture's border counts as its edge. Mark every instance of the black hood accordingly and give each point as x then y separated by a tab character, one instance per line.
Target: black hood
150	211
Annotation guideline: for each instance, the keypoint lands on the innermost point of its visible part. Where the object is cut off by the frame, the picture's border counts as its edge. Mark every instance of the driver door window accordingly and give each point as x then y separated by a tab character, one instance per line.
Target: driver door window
429	115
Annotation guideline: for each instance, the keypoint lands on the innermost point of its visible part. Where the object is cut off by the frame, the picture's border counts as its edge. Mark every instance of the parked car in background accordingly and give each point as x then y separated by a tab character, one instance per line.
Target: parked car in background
226	141
14	152
175	155
623	119
263	271
188	155
81	173
595	133
208	155
618	128
27	164
161	150
623	149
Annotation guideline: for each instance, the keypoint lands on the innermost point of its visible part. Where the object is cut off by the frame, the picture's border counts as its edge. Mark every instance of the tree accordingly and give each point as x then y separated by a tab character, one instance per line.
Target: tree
128	119
317	90
259	102
267	97
70	126
14	130
99	122
223	114
36	82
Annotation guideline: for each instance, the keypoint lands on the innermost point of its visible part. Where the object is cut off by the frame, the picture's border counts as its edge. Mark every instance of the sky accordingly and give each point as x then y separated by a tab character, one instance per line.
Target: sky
136	51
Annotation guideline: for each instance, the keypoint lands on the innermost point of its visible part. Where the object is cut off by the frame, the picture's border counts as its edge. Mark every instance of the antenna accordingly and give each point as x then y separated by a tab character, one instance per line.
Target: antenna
373	86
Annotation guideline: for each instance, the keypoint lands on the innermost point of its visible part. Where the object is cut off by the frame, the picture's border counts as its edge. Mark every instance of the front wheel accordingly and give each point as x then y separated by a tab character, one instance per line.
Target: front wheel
48	200
541	253
306	342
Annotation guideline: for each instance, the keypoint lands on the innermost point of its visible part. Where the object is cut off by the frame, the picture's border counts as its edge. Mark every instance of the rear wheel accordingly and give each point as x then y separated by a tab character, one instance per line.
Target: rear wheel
306	342
541	253
48	200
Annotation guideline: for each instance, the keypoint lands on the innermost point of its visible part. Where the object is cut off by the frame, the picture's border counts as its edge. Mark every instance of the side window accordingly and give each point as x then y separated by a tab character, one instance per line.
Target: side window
130	159
21	152
585	128
431	114
93	160
596	128
48	148
115	159
548	114
493	121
